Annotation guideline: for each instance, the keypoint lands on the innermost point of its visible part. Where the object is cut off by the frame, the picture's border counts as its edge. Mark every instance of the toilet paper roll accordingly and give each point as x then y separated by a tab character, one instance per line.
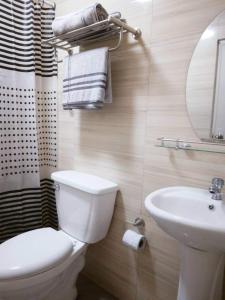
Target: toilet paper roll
134	240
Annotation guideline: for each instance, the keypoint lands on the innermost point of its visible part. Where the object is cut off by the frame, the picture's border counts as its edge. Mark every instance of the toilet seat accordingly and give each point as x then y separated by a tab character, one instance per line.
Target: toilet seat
34	252
51	276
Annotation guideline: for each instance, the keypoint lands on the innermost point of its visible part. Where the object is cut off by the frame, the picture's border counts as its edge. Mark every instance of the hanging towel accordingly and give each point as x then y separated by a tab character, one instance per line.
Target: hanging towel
87	80
79	19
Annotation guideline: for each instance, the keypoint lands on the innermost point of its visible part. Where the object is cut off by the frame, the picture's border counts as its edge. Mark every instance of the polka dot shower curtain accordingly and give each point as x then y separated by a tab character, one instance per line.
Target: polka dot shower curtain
28	78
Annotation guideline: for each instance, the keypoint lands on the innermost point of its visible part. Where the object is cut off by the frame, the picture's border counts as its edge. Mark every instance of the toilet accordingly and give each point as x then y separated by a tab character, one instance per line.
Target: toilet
43	264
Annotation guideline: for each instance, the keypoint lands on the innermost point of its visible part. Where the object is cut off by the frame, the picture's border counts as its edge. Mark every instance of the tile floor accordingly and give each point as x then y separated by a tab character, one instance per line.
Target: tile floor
87	290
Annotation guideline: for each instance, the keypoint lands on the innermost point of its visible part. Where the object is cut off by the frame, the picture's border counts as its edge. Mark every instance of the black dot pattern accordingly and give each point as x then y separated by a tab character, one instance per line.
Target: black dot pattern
47	128
18	131
27	130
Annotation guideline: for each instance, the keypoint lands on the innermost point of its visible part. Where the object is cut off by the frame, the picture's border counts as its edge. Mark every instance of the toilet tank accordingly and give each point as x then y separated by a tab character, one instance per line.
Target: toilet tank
85	204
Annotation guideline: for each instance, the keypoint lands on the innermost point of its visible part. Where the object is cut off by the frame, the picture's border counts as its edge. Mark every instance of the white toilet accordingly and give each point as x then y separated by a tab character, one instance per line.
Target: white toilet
43	264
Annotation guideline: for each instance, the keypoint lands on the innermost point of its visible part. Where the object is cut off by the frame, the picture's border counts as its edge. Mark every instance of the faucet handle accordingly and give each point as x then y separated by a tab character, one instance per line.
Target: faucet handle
218	182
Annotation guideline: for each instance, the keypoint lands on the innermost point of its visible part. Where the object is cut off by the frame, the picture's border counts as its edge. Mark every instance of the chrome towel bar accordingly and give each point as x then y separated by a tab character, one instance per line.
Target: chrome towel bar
112	27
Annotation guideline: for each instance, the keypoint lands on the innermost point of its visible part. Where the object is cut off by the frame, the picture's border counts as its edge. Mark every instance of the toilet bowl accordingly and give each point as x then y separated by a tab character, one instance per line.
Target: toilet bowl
43	264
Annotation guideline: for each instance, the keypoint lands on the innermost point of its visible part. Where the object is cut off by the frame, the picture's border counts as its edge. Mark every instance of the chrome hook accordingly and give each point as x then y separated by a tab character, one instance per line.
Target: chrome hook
119	42
137	222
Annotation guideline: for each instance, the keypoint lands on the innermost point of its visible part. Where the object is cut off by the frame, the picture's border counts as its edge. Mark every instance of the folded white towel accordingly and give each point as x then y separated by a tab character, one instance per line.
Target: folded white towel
79	19
87	79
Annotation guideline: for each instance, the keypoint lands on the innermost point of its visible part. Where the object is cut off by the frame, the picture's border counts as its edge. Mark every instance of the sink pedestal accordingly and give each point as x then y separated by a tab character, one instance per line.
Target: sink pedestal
201	275
193	218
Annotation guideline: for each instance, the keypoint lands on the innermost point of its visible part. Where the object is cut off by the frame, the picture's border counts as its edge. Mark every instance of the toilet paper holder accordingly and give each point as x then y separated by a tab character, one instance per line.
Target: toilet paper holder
138	222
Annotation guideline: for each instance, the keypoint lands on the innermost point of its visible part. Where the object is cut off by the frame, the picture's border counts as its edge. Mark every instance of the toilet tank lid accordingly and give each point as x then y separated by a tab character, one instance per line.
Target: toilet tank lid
85	182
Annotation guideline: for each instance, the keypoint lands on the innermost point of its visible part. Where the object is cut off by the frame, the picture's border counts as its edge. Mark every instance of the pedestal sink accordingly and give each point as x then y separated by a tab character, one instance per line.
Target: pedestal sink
198	223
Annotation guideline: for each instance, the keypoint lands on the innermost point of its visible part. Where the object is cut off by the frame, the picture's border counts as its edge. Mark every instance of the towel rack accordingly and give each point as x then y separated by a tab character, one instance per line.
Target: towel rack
100	31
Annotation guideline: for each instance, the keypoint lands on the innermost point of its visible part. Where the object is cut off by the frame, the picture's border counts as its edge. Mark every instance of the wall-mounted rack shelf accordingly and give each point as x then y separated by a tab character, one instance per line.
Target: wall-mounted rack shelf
100	31
180	144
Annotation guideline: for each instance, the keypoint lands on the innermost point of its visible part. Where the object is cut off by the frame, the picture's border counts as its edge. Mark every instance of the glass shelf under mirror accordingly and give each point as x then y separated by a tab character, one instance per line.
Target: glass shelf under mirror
181	144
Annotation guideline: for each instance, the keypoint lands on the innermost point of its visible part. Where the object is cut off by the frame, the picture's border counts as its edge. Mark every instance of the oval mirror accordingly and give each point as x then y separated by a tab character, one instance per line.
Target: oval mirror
205	95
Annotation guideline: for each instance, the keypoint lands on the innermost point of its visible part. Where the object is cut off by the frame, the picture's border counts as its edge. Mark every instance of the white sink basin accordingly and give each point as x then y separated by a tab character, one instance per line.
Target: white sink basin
198	223
185	214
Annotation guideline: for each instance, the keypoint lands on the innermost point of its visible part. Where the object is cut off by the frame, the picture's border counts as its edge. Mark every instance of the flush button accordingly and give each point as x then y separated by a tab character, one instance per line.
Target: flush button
211	206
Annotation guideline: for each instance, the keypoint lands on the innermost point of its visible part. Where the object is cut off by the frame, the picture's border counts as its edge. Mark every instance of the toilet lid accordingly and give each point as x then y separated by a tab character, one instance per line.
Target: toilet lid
33	252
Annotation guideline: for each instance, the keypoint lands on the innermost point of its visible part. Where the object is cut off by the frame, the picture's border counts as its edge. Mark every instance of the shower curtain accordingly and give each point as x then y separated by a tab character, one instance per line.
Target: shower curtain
28	112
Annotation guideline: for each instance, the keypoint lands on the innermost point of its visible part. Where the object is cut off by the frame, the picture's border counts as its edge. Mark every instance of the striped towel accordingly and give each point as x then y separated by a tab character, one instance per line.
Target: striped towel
87	80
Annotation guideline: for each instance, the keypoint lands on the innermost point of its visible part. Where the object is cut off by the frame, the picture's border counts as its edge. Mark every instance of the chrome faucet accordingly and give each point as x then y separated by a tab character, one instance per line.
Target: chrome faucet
216	187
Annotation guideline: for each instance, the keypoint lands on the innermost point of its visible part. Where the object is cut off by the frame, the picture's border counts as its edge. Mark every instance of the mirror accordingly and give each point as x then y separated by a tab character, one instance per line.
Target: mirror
205	95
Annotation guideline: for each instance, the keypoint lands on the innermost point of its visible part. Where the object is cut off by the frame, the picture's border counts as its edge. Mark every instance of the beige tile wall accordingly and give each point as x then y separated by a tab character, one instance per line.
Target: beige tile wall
117	143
